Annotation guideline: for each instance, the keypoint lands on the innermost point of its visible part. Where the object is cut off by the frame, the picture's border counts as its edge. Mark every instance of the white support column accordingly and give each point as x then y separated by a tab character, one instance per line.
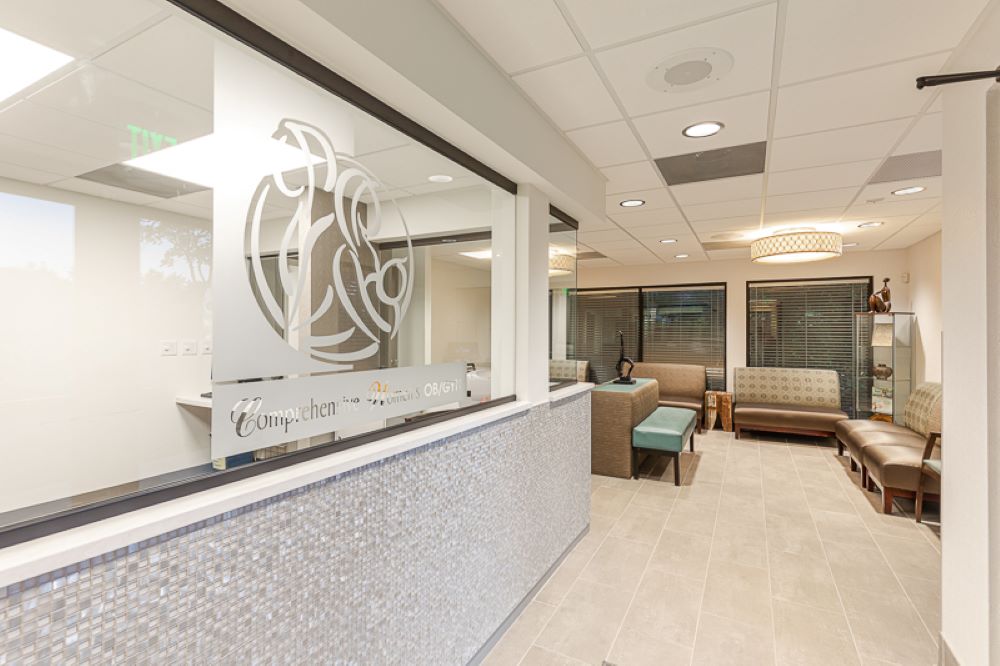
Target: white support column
993	361
532	284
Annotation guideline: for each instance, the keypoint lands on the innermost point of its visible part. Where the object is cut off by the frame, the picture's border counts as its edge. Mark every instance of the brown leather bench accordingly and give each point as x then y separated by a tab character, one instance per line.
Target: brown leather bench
801	401
892	455
680	385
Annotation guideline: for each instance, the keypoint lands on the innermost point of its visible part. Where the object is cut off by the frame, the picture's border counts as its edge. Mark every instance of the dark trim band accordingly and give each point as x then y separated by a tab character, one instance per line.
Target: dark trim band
563	217
244	30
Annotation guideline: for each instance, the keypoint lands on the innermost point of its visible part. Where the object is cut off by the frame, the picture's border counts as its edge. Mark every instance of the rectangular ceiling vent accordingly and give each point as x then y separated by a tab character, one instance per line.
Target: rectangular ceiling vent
909	166
714	164
137	180
726	245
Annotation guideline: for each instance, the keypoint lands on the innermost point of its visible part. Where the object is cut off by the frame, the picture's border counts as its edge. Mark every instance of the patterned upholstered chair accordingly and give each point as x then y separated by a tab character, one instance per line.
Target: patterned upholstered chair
680	385
568	369
802	401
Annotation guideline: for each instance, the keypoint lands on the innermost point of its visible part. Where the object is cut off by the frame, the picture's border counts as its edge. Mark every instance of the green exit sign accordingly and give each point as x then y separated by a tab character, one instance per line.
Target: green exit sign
146	141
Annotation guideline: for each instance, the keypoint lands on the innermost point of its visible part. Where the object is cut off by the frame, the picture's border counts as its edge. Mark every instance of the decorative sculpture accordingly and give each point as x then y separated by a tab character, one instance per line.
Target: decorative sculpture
623	377
881	300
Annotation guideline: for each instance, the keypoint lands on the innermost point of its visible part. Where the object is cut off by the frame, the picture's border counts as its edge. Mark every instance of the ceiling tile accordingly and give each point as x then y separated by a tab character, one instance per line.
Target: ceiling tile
925	136
570	93
604	23
747	36
40	157
599	263
27	175
850	99
174	57
884	191
106	191
183	209
655	199
606	247
593	238
628	177
605	145
411	165
518	34
821	178
803	217
811	200
646	218
823	38
744	117
61	130
73	27
713	211
863	212
659	231
723	189
850	144
729	228
729	255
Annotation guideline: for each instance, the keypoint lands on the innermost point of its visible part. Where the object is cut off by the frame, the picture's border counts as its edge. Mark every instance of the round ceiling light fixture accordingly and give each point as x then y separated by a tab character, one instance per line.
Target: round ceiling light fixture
690	69
681	256
870	225
440	178
668	241
632	203
796	246
913	189
703	129
561	264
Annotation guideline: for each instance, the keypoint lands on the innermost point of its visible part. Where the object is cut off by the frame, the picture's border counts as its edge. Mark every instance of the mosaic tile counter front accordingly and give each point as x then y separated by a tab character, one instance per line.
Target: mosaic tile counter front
416	559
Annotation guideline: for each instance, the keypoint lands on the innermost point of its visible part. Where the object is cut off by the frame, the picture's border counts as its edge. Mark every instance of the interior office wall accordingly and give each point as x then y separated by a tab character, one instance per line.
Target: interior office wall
89	289
924	261
461	313
737	273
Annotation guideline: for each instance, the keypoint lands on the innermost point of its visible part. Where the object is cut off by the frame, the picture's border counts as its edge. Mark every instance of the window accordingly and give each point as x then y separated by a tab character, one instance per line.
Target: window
172	236
807	324
679	324
686	324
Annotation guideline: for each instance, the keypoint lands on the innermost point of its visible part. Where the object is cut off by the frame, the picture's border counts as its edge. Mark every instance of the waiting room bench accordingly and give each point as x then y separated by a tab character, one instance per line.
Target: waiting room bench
664	432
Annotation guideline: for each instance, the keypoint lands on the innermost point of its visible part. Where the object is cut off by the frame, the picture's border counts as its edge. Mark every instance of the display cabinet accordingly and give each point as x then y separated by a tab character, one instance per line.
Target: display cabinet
883	353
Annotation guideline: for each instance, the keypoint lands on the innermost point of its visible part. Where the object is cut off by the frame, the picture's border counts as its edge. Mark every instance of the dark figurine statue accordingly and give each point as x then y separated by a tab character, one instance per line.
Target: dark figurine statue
624	377
881	300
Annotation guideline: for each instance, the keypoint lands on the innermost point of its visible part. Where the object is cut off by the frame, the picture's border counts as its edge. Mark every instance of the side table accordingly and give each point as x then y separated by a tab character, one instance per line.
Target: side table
719	403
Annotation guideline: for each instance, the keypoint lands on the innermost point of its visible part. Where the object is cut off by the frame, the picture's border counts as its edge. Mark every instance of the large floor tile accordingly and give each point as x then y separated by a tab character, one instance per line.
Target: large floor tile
586	623
618	563
666	607
657	495
693	517
705	492
804	579
537	656
794	535
640	524
634	649
887	627
845	528
806	636
560	582
926	597
862	568
738	592
725	642
521	635
682	554
611	502
742	543
917	559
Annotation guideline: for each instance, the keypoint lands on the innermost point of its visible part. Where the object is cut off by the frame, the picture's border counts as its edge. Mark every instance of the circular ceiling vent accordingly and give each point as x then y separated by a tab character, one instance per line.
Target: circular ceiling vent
692	69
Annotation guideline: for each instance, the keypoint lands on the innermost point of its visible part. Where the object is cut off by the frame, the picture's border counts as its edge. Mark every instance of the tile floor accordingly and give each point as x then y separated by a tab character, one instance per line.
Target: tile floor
769	553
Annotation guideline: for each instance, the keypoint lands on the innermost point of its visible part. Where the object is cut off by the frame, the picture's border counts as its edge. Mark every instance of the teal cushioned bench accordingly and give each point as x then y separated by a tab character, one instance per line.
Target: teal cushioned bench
664	432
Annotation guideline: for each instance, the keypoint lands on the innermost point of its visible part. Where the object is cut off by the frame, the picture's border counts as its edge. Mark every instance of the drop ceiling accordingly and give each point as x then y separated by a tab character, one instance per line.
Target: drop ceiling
829	86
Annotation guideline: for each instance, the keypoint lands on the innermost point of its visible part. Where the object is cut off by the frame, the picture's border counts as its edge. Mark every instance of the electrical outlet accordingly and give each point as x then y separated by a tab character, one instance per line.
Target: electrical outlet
168	348
189	348
206	347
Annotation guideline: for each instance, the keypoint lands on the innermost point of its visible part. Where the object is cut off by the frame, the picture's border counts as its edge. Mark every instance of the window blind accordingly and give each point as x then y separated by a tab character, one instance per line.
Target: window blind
807	324
596	317
686	324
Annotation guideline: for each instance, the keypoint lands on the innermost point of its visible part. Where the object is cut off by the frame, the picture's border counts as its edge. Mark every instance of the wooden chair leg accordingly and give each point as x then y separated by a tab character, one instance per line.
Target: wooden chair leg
886	500
692	442
919	510
635	463
854	465
677	469
738	430
840	448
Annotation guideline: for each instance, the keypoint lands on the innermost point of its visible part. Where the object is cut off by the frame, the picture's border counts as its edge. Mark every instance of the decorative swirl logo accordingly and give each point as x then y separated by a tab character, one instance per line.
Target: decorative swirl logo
331	194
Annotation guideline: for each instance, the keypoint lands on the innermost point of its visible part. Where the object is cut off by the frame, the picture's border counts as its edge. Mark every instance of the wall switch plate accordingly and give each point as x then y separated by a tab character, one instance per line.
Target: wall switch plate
168	348
206	347
189	348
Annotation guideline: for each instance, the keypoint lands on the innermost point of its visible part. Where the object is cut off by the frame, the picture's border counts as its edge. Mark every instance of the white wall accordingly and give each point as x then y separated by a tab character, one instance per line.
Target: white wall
86	400
924	265
460	313
736	274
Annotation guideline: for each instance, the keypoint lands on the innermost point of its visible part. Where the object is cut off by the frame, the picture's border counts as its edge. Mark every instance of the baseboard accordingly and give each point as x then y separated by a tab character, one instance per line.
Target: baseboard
514	614
946	657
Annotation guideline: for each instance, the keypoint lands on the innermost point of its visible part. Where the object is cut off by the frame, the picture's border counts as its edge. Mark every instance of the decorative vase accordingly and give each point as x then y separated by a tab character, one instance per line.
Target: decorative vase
882	371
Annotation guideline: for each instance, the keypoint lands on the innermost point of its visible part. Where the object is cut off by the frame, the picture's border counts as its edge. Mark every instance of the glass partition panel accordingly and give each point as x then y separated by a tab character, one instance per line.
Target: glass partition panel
195	241
563	364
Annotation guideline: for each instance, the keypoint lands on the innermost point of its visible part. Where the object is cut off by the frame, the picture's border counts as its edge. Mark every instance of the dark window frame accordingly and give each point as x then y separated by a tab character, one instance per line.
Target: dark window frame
245	31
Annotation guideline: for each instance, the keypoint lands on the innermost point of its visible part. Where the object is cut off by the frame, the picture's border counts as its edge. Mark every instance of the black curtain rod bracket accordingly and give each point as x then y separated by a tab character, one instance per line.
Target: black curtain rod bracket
942	79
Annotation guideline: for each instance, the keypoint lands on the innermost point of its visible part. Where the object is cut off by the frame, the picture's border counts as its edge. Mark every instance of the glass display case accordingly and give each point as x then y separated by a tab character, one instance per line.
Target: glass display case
883	353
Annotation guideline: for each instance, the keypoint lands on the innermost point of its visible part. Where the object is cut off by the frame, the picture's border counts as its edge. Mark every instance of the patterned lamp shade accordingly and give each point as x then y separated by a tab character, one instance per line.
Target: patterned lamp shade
561	264
797	246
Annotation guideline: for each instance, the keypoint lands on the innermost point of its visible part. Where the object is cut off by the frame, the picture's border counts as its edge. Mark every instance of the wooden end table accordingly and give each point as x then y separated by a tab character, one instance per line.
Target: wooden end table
719	403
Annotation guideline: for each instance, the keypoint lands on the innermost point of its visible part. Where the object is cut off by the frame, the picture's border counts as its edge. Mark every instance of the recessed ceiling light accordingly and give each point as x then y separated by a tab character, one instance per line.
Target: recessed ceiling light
632	203
681	256
668	241
870	225
440	178
913	189
478	254
27	62
850	245
703	129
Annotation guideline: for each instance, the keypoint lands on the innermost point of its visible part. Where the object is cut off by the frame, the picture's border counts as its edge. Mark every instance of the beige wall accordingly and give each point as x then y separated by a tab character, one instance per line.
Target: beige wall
461	313
924	261
736	274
